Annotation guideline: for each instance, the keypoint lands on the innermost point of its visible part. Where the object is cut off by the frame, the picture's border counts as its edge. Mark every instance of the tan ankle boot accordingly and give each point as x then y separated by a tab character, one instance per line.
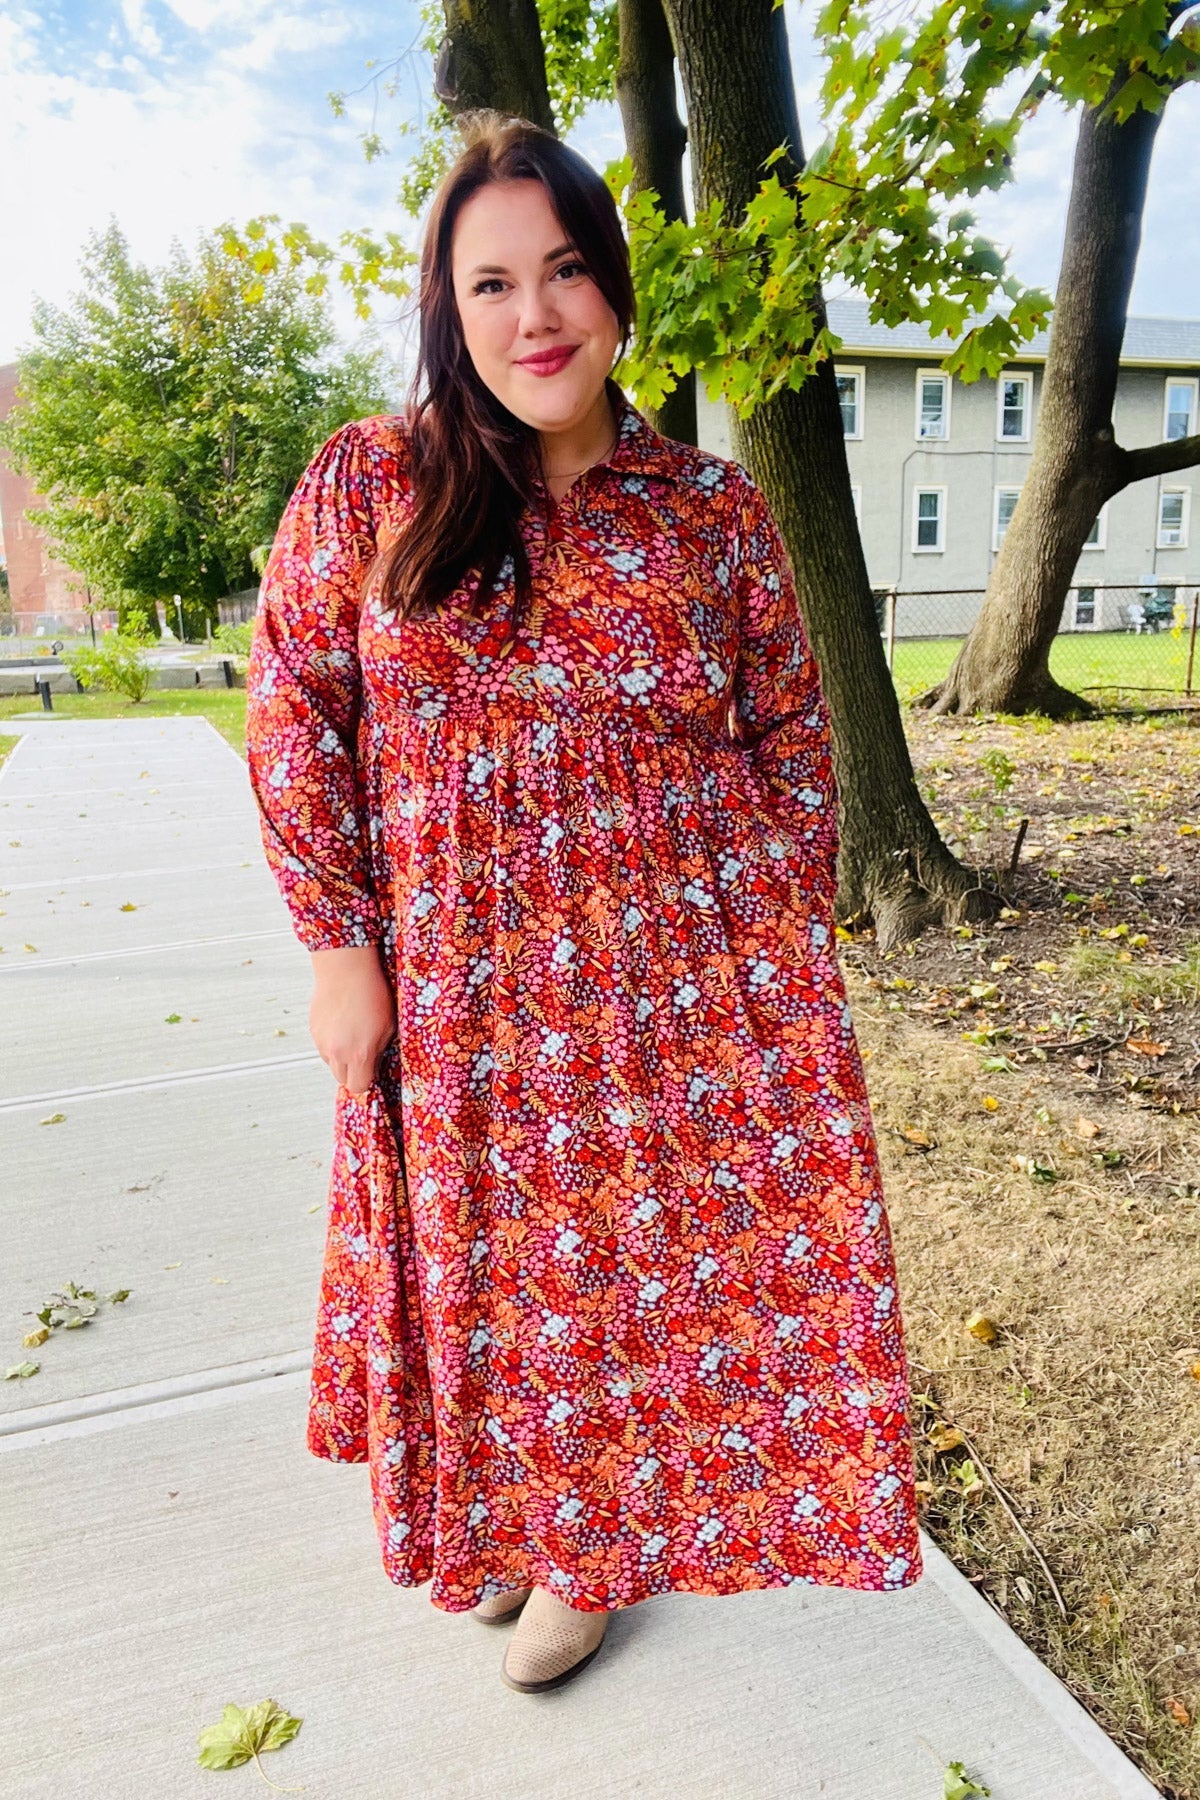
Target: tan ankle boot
551	1644
501	1609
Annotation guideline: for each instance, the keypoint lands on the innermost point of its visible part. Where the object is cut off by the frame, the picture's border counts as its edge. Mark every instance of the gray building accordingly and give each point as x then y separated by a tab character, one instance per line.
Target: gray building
937	464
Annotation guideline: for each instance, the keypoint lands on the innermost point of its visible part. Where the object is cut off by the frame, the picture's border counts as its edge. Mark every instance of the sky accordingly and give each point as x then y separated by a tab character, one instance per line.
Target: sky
172	116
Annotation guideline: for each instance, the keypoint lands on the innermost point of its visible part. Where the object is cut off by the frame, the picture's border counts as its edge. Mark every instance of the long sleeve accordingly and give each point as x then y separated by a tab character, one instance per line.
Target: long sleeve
303	699
780	712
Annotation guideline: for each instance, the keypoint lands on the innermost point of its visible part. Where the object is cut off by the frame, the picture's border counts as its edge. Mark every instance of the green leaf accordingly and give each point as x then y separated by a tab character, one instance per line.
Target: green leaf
243	1732
1139	92
957	1784
21	1371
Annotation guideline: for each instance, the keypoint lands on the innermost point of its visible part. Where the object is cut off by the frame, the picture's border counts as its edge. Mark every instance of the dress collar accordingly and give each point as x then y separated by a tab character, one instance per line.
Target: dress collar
639	449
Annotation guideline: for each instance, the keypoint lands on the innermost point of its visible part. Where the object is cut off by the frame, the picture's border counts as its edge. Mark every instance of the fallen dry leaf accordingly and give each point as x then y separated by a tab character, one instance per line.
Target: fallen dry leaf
1087	1128
1146	1047
981	1327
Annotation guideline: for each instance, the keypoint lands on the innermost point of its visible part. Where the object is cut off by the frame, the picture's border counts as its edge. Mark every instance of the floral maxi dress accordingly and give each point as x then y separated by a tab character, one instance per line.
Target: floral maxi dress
608	1300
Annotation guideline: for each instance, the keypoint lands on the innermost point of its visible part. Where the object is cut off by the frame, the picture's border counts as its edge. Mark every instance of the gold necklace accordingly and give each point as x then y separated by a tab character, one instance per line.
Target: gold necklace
558	474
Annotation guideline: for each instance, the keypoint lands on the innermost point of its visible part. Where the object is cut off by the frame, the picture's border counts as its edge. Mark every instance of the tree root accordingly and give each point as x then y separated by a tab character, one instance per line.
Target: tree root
901	906
1034	694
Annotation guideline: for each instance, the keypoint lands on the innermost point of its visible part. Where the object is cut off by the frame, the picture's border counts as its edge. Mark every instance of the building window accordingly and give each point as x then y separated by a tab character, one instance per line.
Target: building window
856	493
1083	617
1013	402
933	404
1005	507
850	399
1179	419
929	519
1096	536
1173	511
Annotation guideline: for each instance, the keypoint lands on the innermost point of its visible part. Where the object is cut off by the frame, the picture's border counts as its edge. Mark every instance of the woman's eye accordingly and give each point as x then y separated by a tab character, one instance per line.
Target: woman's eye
494	281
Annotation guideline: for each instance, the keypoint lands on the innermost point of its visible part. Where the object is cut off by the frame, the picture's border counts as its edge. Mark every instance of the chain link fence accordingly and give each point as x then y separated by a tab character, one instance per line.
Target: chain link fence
1117	644
32	633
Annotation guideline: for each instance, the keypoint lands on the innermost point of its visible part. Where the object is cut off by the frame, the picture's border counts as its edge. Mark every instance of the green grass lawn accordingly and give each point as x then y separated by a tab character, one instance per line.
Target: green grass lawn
1109	665
223	707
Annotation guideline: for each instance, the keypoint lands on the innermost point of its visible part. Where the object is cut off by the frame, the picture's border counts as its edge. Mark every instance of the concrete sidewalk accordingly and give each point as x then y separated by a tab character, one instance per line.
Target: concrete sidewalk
168	1544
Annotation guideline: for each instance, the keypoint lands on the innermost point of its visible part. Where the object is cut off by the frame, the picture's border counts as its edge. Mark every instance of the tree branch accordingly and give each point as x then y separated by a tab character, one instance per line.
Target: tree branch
1159	459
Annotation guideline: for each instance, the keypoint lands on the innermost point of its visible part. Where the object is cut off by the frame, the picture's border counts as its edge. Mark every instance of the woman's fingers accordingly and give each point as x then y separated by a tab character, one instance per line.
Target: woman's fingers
359	1076
355	1071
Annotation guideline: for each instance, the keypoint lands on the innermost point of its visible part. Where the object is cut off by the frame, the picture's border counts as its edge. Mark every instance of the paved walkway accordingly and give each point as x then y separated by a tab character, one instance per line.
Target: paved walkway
167	1543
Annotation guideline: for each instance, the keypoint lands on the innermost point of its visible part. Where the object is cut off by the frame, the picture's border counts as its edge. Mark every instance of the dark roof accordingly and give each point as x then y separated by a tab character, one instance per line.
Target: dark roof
1161	343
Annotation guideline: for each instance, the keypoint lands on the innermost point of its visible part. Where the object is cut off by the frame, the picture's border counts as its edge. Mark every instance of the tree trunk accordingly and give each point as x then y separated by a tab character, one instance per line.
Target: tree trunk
1076	463
492	56
893	868
656	138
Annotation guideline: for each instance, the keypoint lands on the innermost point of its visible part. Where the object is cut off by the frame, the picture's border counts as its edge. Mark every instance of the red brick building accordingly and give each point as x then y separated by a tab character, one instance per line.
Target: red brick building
48	599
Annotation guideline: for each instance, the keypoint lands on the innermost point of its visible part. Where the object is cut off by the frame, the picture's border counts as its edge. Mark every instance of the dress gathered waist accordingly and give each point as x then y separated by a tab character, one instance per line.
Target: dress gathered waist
571	720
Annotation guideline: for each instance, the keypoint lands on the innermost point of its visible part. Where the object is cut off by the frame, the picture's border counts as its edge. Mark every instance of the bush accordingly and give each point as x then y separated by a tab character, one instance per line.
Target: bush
115	665
234	640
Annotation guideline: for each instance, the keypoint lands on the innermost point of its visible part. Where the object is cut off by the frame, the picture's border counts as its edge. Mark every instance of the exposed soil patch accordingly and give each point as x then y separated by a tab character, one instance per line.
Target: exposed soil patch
1035	1084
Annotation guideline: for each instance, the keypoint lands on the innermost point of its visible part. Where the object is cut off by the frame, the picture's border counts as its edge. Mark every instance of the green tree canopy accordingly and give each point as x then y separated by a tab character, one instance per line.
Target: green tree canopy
166	418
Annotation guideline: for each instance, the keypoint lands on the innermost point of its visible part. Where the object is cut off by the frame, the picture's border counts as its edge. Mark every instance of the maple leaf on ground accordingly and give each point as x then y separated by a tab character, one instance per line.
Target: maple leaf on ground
243	1732
957	1784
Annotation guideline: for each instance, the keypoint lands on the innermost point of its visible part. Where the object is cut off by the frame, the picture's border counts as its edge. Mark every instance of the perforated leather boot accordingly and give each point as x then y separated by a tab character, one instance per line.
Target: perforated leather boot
501	1609
552	1644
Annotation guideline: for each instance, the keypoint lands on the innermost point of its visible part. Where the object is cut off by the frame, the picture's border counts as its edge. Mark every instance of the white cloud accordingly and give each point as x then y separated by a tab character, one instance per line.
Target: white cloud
133	14
205	15
174	148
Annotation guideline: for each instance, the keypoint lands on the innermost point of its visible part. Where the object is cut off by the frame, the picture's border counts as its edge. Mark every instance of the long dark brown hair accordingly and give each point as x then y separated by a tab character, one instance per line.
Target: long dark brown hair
473	463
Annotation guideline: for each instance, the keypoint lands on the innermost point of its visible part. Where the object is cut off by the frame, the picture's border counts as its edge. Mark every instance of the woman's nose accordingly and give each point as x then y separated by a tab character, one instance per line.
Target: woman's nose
538	312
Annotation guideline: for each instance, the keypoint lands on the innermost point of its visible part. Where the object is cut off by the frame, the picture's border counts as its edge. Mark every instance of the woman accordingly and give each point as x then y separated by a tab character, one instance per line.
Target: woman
608	1300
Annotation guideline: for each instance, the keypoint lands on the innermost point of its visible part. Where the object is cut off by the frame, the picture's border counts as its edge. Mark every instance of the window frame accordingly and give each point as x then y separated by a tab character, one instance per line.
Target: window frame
1192	383
1002	487
943	437
1077	600
859	372
1025	376
1100	523
1185	511
919	549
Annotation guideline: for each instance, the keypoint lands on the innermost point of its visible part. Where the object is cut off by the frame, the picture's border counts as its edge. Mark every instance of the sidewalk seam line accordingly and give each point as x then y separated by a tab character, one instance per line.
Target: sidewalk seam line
140	1083
59	962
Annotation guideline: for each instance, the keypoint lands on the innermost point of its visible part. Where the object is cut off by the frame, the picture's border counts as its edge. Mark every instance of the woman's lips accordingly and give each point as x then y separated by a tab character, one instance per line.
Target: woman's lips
550	365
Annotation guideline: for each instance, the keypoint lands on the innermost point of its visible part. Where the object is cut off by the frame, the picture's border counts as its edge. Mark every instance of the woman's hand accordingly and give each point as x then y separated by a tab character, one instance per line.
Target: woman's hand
352	1018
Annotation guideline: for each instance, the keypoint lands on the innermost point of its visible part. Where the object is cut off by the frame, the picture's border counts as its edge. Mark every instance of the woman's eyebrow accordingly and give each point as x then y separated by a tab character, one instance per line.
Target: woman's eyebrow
499	269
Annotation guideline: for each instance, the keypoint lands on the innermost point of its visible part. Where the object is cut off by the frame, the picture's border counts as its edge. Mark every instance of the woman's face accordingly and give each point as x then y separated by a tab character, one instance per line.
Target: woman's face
522	291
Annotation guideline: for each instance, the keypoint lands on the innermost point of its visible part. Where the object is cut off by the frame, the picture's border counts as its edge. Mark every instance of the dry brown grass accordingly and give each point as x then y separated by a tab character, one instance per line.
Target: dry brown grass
1060	1463
1082	1246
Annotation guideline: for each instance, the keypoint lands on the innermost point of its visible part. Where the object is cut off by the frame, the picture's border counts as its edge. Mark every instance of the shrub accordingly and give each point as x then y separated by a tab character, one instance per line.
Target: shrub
117	664
234	640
